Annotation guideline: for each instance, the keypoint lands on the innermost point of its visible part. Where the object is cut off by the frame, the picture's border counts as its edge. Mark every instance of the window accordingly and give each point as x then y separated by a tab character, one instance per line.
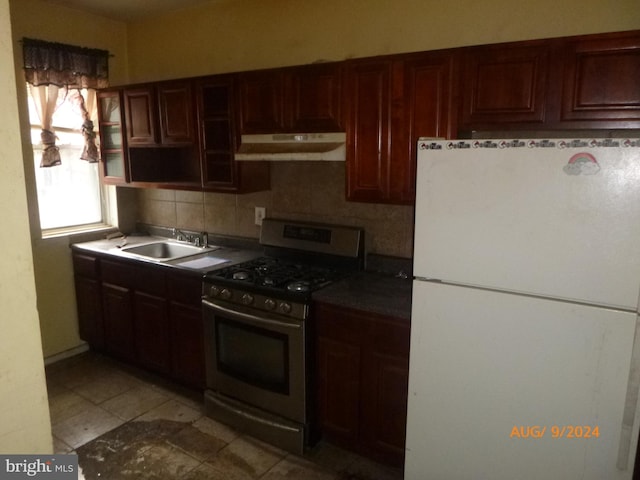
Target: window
69	194
61	84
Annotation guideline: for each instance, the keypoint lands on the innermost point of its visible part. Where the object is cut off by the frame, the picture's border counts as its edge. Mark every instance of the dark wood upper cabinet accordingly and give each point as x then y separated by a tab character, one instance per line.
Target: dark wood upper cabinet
176	112
428	91
139	106
184	133
304	99
368	101
217	131
161	137
583	82
114	160
260	95
179	134
313	98
216	109
159	114
504	84
428	110
600	79
391	103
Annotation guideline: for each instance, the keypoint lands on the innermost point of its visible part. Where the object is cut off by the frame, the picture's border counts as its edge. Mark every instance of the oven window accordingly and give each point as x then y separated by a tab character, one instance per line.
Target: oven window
253	355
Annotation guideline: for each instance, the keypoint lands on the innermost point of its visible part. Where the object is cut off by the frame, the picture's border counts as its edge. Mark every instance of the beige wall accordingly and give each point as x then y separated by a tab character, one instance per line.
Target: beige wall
52	257
24	412
234	35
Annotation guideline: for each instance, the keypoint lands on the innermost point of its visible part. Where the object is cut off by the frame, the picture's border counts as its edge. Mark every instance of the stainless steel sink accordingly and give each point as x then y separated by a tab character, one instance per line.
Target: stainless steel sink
165	250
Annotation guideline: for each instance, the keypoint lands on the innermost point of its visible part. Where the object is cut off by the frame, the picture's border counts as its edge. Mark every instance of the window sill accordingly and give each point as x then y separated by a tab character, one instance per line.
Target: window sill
78	230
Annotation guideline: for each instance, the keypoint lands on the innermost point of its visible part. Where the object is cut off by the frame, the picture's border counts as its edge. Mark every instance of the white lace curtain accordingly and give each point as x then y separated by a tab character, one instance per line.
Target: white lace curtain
54	71
45	98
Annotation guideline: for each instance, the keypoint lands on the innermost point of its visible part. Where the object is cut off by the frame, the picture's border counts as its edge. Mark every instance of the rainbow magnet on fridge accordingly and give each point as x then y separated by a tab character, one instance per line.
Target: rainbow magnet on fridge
582	164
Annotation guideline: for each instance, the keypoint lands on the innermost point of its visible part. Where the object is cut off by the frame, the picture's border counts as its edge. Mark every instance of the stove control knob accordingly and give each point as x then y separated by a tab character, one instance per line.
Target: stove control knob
270	304
214	291
225	294
247	299
285	307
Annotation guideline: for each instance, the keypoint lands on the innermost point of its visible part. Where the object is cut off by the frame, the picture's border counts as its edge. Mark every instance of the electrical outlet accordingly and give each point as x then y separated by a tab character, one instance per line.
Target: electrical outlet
260	213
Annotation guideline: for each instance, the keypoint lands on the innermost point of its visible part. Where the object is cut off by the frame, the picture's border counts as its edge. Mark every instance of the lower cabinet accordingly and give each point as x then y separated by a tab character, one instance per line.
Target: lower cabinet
89	300
363	371
117	307
151	321
186	329
339	388
146	315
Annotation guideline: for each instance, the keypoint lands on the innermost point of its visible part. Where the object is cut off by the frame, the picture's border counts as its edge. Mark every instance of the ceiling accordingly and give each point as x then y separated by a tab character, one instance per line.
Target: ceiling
129	10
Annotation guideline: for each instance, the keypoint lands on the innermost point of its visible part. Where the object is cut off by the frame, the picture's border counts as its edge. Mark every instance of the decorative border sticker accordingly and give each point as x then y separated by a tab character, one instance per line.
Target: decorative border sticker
432	144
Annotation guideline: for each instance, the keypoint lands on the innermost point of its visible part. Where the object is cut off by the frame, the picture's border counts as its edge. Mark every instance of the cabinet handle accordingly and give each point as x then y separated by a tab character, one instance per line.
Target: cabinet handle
253	418
234	314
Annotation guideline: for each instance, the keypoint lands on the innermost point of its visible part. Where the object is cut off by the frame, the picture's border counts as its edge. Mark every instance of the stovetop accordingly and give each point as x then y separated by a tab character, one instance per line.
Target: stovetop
299	258
276	276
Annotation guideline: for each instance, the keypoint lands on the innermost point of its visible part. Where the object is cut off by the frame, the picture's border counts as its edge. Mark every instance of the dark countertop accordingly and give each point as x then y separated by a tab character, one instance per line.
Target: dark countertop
376	291
371	292
220	256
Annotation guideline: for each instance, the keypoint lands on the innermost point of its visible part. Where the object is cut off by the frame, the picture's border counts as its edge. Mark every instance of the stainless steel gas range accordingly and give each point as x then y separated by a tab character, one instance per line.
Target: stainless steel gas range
258	331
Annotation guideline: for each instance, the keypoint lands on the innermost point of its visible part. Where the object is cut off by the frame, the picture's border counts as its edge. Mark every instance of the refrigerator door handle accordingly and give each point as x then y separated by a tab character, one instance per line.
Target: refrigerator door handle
631	402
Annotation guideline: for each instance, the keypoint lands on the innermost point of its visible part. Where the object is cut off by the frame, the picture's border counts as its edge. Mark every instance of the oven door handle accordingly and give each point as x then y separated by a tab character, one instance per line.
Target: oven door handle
236	315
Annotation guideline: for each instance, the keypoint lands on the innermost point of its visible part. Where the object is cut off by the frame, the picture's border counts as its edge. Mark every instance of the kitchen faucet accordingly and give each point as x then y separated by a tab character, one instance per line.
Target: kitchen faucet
199	240
203	240
180	236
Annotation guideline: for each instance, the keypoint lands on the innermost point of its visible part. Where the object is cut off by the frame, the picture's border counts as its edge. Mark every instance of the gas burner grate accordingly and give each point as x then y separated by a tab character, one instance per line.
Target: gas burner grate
279	274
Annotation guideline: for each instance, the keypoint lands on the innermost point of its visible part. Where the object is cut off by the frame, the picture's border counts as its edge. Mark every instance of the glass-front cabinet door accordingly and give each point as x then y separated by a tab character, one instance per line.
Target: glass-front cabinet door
112	140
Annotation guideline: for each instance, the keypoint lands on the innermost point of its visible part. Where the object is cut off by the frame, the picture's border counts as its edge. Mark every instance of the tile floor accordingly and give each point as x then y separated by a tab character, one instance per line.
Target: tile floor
125	423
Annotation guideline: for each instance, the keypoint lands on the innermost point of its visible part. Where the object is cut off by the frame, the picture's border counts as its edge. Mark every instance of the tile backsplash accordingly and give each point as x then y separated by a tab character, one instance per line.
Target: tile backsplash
309	191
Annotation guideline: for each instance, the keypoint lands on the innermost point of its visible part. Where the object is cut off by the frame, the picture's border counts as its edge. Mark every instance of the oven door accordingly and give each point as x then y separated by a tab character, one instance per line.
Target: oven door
258	359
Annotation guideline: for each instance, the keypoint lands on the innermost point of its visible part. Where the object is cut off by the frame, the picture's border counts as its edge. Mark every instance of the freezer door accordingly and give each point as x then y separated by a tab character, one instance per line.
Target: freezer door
504	386
514	219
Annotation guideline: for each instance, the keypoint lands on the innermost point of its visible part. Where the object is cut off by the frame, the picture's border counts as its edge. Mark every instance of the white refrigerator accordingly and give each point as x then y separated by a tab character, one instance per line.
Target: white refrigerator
524	360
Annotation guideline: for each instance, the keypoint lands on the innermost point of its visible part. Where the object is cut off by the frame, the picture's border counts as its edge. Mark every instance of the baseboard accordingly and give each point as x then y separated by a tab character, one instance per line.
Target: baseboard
72	352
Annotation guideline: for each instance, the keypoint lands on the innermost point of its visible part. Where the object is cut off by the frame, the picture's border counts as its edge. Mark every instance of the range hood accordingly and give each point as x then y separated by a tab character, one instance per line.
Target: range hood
293	146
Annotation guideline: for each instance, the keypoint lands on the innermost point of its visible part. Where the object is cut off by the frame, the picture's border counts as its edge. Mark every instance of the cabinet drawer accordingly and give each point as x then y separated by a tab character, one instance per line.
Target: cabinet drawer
150	279
117	273
185	289
85	265
339	324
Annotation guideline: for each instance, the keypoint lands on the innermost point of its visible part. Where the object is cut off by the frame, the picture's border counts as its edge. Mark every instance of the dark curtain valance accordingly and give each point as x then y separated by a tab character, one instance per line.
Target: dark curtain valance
49	63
